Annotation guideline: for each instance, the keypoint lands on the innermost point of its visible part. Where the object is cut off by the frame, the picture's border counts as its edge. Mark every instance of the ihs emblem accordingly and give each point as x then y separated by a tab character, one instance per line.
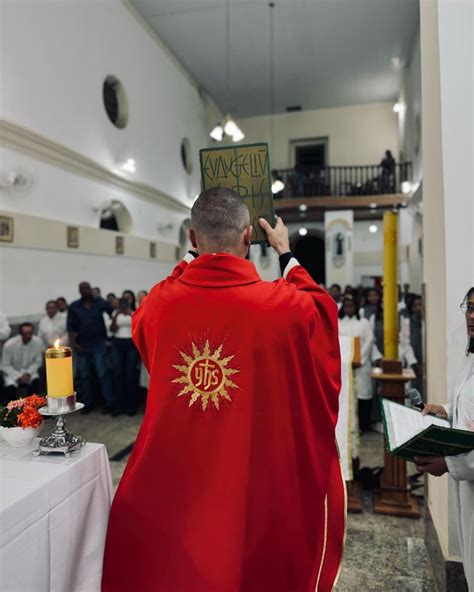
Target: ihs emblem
205	376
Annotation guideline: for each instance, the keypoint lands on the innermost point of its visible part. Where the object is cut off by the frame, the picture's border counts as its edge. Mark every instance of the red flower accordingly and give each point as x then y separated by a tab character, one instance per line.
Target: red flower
29	417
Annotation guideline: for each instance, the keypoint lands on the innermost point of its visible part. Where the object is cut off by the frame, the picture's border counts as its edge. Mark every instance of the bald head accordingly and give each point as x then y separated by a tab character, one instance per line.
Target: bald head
220	222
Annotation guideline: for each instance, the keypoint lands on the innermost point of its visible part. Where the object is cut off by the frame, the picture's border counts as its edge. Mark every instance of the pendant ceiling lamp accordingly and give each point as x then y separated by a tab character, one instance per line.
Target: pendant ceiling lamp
277	184
227	127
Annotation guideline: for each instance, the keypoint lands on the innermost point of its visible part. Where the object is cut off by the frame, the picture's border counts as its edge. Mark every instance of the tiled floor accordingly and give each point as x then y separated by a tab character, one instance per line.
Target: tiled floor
382	553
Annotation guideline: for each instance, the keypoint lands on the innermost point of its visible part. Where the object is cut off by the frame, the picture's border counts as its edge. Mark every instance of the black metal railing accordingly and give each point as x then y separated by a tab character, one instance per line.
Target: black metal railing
343	180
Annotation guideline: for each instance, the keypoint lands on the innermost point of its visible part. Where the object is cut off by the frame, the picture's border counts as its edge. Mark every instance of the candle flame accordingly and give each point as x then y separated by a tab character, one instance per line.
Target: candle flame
56	344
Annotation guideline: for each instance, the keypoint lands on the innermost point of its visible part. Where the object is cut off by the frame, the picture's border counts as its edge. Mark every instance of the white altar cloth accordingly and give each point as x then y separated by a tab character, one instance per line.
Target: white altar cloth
53	519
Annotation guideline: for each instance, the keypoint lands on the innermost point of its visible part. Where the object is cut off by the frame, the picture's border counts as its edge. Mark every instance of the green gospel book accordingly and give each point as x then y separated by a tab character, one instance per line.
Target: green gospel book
409	433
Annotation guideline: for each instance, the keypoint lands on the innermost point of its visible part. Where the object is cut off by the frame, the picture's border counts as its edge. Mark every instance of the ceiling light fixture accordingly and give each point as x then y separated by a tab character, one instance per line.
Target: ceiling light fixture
373	228
277	186
372	205
278	183
303	231
217	133
406	187
129	165
303	207
396	62
227	127
397	108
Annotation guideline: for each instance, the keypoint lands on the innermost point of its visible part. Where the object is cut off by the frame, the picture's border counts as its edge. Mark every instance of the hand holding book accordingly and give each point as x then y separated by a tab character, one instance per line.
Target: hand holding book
411	434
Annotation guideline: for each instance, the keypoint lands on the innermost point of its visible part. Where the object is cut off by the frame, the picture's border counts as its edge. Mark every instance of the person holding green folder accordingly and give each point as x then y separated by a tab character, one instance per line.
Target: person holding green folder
460	410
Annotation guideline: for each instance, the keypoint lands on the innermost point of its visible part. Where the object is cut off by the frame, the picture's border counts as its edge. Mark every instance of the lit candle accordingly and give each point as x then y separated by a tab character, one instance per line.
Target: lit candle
59	371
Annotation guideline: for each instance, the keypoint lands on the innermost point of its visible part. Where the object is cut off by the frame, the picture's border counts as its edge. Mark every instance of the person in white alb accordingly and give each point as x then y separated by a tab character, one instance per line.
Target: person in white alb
351	325
22	358
53	326
460	411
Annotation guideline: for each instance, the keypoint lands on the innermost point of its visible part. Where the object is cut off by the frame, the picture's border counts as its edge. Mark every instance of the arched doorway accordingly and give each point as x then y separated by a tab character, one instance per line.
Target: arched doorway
310	252
115	216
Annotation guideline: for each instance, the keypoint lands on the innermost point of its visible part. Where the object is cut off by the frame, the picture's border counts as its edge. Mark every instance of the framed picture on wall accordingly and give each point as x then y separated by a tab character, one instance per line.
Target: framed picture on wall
119	245
73	237
6	229
153	250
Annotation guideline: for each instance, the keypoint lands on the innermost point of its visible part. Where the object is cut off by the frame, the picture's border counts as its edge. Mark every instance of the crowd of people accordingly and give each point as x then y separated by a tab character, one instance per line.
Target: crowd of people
361	315
107	363
99	332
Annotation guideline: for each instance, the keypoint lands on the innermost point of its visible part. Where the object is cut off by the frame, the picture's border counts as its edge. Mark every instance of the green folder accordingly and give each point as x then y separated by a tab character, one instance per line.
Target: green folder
408	433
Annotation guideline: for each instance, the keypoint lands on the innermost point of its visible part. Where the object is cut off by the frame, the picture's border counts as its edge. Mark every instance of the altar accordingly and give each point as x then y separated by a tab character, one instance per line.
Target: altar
53	519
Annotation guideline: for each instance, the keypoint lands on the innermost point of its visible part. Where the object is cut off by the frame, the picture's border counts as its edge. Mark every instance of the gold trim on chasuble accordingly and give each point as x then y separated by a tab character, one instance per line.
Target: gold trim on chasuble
323	554
205	375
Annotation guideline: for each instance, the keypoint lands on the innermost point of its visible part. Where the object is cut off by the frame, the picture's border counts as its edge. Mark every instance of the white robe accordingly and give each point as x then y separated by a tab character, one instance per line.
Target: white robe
461	467
353	327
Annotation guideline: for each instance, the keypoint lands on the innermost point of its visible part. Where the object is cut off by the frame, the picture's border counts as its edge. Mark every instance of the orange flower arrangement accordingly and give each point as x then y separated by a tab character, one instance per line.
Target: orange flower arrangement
23	412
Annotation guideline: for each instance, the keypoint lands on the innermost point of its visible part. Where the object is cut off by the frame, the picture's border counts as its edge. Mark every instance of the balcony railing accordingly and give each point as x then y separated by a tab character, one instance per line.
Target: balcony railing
343	180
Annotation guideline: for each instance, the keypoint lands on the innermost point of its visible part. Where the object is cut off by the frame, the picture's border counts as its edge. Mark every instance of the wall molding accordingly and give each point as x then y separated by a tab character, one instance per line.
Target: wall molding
43	234
33	144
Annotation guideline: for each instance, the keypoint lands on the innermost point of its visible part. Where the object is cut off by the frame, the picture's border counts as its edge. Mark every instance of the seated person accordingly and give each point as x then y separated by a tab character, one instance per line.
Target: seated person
22	358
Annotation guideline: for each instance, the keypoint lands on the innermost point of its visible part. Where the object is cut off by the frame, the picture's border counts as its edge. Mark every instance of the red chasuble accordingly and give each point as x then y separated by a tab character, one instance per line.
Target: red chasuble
234	483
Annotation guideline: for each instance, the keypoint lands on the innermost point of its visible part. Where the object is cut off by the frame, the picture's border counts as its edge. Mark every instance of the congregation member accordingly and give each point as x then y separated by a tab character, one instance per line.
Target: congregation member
22	358
53	326
460	411
144	377
140	296
351	325
87	336
234	481
5	331
388	173
411	340
62	305
372	303
125	357
111	297
335	292
96	292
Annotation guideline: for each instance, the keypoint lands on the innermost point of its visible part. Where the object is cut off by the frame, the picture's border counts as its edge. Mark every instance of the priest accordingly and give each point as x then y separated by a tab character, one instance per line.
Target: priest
234	482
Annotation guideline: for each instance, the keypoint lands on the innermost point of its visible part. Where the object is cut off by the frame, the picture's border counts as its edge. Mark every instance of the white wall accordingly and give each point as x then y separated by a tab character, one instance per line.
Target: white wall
42	275
448	210
410	116
54	57
357	135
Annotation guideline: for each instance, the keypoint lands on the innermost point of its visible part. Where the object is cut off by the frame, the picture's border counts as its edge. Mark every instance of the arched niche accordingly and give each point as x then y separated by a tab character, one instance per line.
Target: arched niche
115	216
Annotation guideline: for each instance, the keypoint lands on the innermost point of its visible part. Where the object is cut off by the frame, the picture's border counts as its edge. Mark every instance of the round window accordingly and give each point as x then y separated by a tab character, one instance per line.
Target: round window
186	155
115	101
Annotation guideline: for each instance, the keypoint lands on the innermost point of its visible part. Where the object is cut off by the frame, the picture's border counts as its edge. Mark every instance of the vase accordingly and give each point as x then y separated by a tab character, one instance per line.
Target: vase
19	436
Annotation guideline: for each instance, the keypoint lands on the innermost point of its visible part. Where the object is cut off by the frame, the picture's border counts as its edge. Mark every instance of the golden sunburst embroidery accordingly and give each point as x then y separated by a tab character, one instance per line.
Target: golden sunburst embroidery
205	375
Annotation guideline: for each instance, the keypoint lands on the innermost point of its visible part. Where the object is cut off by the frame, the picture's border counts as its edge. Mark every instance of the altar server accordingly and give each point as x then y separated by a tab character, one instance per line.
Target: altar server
460	410
351	325
234	482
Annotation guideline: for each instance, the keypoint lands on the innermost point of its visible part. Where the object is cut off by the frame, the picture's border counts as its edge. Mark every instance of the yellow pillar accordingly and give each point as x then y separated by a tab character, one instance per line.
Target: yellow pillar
390	286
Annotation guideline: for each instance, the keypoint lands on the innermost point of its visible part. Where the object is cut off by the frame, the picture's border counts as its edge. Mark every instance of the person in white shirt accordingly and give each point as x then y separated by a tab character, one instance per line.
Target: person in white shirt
460	411
125	356
144	377
351	325
21	360
5	330
53	326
